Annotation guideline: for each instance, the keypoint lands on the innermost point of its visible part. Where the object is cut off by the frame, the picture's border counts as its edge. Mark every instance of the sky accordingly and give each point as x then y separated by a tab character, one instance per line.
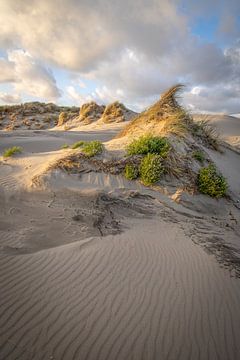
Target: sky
74	51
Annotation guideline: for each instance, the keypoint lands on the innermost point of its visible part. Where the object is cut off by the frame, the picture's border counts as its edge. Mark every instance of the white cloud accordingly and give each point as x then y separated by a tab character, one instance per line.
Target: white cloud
7	71
76	97
28	76
132	50
10	98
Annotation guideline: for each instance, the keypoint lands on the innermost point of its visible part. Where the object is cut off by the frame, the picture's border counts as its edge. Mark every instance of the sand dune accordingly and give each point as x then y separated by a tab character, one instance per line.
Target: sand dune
227	126
132	295
95	267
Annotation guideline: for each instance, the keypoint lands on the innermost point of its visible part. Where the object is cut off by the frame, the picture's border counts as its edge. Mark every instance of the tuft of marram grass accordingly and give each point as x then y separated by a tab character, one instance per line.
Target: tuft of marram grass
11	151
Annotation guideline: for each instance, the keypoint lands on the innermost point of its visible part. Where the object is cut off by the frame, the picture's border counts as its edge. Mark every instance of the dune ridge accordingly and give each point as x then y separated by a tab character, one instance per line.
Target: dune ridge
94	266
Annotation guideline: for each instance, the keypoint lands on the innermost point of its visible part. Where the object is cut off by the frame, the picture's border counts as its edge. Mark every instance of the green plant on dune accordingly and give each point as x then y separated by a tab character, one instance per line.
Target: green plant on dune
131	172
198	155
78	144
149	144
211	182
92	148
11	151
65	146
151	169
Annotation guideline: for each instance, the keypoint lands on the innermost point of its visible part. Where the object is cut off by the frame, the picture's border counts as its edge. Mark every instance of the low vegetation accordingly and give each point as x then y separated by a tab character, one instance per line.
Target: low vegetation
205	132
131	172
149	144
11	151
151	169
92	148
211	182
65	146
78	144
199	156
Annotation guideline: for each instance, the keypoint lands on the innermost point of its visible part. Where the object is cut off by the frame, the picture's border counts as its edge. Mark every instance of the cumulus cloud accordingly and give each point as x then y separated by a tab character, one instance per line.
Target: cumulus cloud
79	34
10	98
7	71
28	76
131	50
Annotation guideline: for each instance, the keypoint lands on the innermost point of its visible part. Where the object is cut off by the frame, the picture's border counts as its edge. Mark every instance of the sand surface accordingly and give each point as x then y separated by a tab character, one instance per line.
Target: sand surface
96	267
227	126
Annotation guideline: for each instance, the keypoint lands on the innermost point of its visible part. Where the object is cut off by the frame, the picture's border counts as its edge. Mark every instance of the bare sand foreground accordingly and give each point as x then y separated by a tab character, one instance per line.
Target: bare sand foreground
99	268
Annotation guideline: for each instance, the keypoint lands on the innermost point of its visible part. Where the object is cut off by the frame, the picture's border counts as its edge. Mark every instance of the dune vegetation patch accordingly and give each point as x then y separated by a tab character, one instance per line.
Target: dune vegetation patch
65	146
11	151
163	145
211	182
92	148
131	172
149	144
78	144
199	156
151	169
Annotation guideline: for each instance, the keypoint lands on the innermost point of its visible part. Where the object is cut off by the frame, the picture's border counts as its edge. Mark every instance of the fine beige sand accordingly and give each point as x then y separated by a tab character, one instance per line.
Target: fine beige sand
96	267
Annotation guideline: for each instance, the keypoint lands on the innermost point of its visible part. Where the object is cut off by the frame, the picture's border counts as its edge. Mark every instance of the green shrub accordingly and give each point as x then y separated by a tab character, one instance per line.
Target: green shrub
65	146
199	156
11	151
149	144
78	144
151	169
92	148
131	171
211	182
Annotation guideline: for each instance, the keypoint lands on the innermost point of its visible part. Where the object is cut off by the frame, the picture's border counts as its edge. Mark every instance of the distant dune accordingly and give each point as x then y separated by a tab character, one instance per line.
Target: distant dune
227	126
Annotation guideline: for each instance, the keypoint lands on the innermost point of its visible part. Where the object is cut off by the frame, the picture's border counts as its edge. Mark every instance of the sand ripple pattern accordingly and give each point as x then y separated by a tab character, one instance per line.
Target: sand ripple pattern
122	297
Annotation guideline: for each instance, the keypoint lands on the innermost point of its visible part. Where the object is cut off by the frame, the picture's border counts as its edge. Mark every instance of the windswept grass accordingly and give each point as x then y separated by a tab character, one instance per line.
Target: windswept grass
11	151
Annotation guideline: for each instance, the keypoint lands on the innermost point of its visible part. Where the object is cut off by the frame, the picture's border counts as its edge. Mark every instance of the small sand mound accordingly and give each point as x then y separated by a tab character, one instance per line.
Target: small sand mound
90	112
116	112
34	116
167	117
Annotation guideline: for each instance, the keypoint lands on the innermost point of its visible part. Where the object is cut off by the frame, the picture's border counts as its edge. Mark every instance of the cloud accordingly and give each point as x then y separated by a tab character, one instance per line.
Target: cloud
216	99
131	50
7	71
76	97
10	98
79	34
28	76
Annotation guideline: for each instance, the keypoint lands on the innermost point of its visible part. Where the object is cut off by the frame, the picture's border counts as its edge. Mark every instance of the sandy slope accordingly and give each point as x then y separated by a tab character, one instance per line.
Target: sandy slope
97	267
129	296
227	126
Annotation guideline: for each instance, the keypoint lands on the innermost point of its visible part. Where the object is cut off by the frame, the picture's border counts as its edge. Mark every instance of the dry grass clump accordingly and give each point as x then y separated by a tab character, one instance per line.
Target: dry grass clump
90	112
63	118
206	133
114	112
167	117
